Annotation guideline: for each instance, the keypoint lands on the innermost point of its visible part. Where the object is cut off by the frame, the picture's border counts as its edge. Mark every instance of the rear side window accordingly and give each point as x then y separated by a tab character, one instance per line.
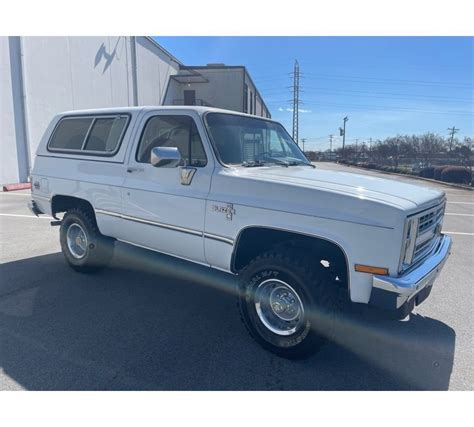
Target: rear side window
70	134
89	135
105	134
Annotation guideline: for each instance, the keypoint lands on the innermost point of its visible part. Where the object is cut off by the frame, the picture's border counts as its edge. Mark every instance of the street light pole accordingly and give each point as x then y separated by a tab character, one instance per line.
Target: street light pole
344	137
303	140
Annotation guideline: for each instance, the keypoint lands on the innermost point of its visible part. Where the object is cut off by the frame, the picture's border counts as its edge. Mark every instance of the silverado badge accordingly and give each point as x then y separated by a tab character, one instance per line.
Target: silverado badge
227	209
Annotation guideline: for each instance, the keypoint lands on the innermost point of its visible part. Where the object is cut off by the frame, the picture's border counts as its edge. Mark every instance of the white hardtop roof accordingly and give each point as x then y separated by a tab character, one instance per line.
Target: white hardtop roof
122	110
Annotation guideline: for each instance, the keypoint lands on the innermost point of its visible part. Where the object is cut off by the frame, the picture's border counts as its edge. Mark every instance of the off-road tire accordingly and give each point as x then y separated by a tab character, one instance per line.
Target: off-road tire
99	249
319	293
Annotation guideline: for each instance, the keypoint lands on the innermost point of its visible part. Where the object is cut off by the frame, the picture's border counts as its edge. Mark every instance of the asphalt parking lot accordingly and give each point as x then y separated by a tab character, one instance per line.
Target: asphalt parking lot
150	322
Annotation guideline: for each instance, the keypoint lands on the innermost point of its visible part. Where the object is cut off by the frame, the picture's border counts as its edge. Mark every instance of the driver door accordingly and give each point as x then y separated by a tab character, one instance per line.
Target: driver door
164	207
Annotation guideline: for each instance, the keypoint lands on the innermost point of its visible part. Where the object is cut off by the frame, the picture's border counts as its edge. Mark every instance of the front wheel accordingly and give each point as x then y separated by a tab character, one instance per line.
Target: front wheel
84	247
287	303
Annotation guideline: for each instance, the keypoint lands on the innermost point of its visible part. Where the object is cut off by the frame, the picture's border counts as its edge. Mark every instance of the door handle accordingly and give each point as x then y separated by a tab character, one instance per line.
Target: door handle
132	169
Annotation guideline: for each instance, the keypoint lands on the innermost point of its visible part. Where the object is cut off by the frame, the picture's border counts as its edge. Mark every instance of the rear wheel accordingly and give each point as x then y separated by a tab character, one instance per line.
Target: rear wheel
287	302
84	247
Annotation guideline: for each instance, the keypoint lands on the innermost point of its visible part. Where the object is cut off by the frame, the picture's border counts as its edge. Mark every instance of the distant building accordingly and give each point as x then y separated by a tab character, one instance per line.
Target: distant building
42	76
216	85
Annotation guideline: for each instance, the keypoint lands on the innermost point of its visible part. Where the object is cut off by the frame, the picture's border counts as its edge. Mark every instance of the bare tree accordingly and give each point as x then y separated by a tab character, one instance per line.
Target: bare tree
430	145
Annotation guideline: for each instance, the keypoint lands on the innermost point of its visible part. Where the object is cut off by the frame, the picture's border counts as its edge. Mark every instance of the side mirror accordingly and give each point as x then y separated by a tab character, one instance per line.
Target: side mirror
165	157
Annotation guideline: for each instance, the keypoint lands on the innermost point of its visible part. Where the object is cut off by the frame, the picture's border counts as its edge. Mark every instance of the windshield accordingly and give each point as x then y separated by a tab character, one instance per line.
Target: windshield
252	142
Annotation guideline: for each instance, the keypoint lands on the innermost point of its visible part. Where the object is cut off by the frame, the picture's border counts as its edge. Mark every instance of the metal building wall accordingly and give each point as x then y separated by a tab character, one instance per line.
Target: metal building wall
224	88
69	73
9	163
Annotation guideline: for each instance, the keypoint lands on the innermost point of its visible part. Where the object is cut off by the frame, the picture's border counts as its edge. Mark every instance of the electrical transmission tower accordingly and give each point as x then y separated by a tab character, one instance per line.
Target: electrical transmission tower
452	132
296	99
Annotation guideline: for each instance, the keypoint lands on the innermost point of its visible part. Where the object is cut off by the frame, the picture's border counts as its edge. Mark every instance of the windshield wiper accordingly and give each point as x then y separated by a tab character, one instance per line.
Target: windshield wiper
253	164
300	163
280	162
256	163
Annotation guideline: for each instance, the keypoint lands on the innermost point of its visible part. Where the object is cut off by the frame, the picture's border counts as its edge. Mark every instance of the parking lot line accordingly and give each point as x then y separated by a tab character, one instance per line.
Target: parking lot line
458	233
460	203
4	193
26	216
458	214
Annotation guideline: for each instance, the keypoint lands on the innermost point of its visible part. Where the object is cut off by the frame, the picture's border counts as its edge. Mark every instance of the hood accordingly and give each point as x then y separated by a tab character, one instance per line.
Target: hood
388	191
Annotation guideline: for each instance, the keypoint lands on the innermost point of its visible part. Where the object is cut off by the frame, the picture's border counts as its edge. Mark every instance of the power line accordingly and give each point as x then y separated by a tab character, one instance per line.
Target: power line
372	94
383	108
392	81
461	85
345	64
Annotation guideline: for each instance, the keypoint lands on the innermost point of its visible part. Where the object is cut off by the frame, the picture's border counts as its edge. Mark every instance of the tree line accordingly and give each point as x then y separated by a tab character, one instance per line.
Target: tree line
421	150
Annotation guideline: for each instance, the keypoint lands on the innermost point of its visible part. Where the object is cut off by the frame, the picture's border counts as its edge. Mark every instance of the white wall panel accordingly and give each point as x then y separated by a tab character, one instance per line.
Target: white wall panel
153	70
8	151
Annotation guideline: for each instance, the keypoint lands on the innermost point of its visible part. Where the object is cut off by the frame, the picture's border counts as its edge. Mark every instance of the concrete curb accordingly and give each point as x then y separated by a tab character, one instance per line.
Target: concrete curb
20	186
447	184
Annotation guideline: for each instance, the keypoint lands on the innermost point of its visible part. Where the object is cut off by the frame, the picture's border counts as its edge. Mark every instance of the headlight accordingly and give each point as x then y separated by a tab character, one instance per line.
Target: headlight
408	246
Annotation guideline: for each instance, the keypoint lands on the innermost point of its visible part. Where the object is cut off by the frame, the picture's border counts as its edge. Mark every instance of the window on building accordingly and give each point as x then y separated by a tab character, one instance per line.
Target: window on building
251	103
172	131
89	135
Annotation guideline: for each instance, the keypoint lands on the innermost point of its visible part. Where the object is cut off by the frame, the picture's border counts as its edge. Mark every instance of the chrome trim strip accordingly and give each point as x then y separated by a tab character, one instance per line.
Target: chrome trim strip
101	211
211	236
154	223
218	238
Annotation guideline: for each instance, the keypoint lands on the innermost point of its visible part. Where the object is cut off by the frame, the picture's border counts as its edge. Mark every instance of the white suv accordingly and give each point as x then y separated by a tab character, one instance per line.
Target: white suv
234	192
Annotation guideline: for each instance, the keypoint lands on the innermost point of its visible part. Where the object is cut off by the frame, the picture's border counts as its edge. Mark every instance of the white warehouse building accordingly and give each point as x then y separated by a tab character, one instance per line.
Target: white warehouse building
43	76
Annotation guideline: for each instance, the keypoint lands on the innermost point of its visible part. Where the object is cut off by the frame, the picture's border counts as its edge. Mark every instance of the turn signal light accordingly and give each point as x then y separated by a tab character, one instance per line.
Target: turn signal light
373	270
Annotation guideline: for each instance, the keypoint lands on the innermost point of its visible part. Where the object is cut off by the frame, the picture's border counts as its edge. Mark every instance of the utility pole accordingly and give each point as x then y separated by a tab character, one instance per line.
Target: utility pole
357	150
452	132
342	132
330	143
296	100
303	140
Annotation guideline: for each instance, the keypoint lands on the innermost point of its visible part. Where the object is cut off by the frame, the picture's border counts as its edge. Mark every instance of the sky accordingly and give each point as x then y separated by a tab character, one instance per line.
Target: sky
385	85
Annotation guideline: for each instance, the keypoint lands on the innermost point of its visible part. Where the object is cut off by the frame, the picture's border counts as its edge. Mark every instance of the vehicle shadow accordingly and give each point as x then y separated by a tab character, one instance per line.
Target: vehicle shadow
151	322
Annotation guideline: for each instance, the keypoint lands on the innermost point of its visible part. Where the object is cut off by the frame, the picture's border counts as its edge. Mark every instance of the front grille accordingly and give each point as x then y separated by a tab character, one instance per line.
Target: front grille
430	220
429	226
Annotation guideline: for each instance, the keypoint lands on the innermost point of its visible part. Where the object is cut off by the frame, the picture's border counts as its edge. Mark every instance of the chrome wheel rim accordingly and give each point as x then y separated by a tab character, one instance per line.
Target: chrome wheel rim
76	241
279	307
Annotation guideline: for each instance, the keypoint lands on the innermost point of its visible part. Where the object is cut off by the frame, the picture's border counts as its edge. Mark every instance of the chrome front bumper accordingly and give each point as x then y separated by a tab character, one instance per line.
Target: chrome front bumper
414	286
